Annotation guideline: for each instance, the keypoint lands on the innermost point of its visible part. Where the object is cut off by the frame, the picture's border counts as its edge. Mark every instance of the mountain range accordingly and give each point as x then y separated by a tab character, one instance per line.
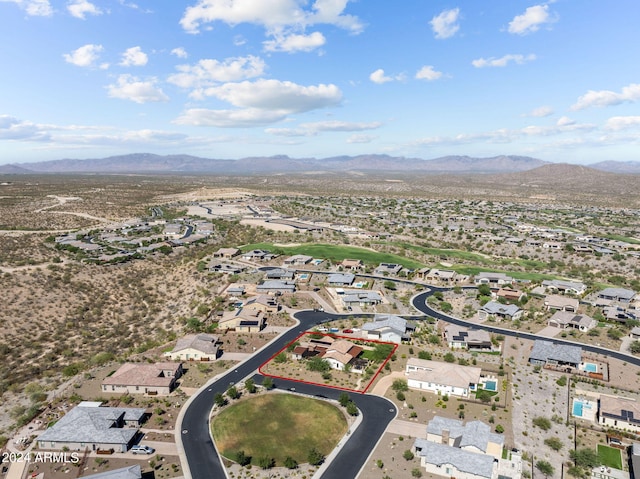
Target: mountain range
147	163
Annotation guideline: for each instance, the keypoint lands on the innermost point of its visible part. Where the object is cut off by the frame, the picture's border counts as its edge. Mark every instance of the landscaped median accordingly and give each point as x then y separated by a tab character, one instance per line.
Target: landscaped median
296	430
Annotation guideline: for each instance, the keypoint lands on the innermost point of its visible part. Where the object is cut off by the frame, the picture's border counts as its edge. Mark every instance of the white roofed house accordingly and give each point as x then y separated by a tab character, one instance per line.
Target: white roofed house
500	311
389	328
360	297
474	436
298	259
612	295
195	347
385	269
442	378
341	279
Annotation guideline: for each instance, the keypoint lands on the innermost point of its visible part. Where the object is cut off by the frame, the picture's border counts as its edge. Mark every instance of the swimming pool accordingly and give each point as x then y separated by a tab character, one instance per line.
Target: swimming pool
491	386
579	406
590	367
304	276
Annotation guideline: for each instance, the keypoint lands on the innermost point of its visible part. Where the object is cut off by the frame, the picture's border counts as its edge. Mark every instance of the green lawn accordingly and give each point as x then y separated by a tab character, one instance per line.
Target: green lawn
626	239
338	253
609	456
298	423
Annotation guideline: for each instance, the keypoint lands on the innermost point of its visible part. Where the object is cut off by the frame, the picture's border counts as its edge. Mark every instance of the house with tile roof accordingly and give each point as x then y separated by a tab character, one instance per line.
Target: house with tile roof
91	426
442	378
195	347
141	378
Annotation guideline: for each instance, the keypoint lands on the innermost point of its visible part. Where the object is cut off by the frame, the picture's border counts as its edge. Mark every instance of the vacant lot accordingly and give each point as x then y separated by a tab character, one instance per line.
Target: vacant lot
299	423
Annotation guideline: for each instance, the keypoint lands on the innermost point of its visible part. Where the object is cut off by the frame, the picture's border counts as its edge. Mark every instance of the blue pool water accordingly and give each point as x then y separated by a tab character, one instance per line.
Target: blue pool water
590	367
577	408
491	386
304	276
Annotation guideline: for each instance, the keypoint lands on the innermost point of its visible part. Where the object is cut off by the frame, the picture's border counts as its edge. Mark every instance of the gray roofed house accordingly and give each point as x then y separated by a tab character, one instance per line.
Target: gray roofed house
387	268
566	319
474	435
276	286
363	298
341	279
573	287
93	427
444	460
548	352
617	294
462	337
500	311
298	259
388	327
280	273
492	279
130	472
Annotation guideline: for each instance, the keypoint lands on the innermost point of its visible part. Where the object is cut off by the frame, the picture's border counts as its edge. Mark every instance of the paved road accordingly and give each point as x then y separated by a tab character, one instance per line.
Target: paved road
420	303
202	458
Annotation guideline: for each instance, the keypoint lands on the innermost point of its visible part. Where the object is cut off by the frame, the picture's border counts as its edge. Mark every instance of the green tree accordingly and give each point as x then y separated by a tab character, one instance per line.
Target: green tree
344	399
408	455
315	457
281	358
242	458
554	443
424	355
499	428
615	334
290	463
634	347
266	462
446	307
545	468
484	290
352	409
220	400
267	383
450	358
416	472
250	386
584	457
542	422
400	385
233	392
381	352
318	364
390	285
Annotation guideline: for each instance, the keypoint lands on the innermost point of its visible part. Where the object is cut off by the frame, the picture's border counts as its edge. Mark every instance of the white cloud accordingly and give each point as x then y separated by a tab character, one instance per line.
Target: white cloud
134	56
180	52
34	8
131	88
629	94
271	14
502	61
428	73
81	8
85	56
617	123
208	72
260	103
530	20
335	125
242	118
312	129
379	77
361	139
295	43
14	129
275	95
565	121
541	112
445	24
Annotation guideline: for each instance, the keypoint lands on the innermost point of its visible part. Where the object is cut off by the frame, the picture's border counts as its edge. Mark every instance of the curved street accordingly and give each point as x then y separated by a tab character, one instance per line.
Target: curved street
202	459
201	455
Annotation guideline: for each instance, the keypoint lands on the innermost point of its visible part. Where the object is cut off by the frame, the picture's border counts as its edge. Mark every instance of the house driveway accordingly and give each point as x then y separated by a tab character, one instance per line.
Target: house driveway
407	428
385	383
549	332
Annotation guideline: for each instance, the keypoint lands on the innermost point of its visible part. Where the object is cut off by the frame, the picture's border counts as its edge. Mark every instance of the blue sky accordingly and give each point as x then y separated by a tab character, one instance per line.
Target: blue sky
557	80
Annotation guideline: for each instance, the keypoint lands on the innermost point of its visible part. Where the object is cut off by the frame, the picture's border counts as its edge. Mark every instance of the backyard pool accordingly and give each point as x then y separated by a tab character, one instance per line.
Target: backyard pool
582	408
303	276
491	386
590	367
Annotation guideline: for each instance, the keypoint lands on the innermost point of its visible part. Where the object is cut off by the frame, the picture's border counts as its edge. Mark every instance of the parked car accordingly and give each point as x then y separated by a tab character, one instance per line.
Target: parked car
140	449
348	331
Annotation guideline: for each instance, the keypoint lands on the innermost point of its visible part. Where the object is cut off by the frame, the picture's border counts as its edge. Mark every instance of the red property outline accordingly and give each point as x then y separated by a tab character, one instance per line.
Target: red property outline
333	335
